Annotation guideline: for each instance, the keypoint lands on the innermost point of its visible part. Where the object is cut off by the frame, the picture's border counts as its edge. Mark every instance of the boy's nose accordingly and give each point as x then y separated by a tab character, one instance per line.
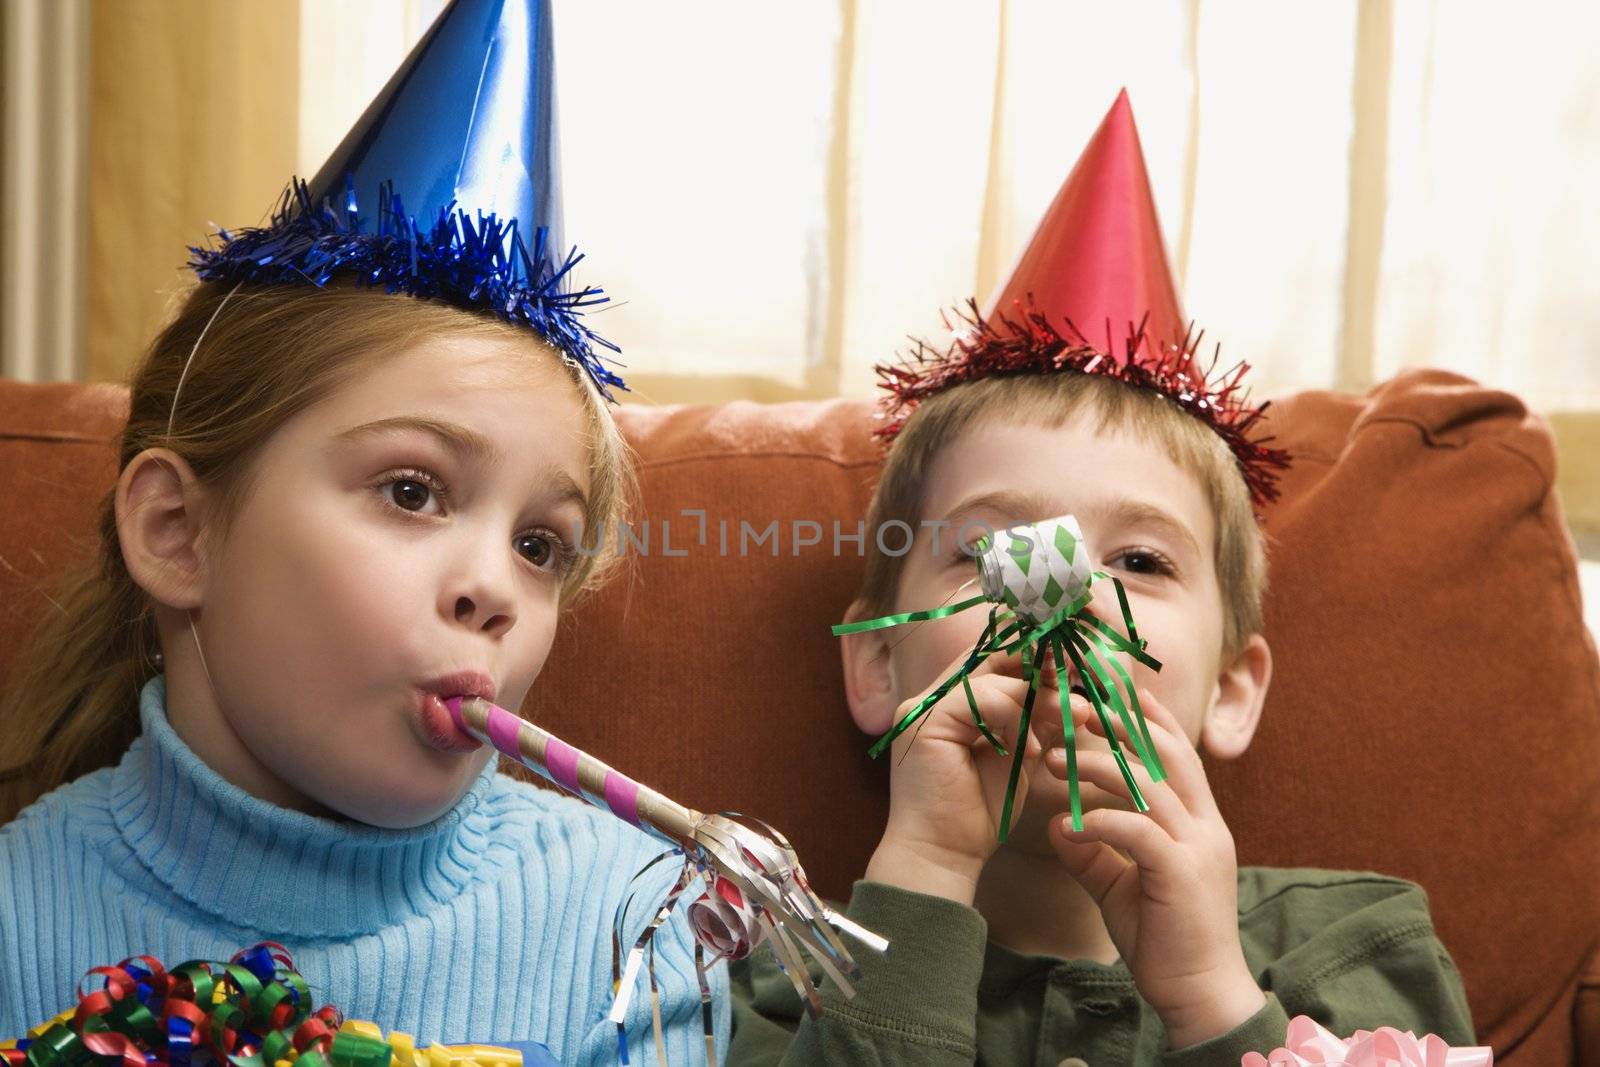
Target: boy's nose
1103	608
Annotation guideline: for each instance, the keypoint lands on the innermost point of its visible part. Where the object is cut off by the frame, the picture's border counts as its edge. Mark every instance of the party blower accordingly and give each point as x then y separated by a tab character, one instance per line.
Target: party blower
1036	580
755	889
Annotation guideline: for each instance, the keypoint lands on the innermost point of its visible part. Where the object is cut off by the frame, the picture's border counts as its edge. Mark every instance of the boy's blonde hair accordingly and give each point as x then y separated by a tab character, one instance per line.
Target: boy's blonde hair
1051	400
70	704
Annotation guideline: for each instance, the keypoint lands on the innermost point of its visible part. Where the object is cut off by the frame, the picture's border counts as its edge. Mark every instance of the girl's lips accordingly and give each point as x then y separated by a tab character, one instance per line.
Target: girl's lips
439	728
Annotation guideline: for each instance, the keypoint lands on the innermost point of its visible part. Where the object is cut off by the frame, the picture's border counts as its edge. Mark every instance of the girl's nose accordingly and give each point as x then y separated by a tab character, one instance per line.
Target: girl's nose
480	591
480	615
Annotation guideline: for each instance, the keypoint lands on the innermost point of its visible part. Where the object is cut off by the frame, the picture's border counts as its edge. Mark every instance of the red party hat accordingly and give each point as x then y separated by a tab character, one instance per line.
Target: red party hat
1097	257
1095	268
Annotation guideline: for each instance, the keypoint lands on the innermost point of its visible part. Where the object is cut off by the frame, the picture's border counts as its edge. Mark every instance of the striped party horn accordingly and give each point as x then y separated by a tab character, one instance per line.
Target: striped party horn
756	889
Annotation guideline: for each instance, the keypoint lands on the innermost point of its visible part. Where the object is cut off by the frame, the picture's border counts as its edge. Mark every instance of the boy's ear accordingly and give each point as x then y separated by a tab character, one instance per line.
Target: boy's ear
157	504
868	675
1236	708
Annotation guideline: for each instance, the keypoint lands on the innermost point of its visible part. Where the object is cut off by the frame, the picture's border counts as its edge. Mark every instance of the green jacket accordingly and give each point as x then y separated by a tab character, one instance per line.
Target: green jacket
1353	951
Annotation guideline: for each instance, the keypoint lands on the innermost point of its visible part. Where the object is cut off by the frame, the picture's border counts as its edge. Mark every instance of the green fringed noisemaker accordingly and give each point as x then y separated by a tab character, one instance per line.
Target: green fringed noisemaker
1036	580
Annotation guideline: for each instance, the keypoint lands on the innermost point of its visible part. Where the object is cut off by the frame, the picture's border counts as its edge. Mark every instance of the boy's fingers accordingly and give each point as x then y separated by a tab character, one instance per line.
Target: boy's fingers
954	691
1044	726
989	667
1100	769
993	663
1010	664
1157	713
999	691
1184	769
999	700
1031	750
1177	754
1126	831
1095	866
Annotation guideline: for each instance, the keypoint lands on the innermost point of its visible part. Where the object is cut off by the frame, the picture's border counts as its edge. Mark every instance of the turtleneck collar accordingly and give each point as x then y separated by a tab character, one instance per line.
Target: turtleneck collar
268	869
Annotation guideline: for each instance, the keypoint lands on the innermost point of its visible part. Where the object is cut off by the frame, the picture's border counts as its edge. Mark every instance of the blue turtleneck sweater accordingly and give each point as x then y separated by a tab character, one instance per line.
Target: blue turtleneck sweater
492	923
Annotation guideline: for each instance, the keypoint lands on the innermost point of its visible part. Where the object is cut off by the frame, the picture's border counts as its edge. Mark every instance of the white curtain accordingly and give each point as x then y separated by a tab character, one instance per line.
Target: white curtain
1491	240
43	174
1347	188
777	195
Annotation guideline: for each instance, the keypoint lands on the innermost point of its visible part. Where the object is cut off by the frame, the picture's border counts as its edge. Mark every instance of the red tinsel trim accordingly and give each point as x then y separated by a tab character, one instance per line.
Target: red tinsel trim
984	349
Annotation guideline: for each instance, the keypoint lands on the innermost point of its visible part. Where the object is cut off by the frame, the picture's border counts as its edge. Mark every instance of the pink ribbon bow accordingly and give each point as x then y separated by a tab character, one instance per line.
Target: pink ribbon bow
1307	1044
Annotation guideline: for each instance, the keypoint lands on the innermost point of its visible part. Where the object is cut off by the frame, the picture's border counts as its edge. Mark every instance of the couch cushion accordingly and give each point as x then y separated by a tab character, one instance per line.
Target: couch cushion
1434	711
58	460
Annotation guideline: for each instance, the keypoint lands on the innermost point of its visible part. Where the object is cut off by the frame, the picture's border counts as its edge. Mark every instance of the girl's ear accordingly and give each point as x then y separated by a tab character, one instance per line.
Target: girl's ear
1236	707
158	501
868	675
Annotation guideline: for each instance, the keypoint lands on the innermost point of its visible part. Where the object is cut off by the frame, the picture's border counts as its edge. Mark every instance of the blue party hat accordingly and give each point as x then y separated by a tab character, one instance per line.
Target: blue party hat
465	131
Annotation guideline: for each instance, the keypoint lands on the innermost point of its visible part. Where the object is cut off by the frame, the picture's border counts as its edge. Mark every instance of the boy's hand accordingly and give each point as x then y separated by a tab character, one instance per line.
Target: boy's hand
947	784
1166	882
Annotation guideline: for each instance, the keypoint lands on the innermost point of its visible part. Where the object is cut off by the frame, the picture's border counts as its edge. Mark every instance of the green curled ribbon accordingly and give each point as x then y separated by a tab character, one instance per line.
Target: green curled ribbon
1069	635
58	1047
357	1050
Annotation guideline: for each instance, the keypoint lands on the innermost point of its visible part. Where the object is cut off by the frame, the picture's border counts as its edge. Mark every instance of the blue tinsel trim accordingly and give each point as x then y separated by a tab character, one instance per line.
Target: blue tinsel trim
480	264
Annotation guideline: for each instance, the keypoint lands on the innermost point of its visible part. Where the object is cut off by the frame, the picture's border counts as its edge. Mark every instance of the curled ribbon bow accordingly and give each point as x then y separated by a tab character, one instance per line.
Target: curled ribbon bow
1307	1043
253	1011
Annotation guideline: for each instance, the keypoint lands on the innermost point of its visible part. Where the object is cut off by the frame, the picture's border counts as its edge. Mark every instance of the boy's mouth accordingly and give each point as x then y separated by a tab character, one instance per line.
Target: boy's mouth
1075	683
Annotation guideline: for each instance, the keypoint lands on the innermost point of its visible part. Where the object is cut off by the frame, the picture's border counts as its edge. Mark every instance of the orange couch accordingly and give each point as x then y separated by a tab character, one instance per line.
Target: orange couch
1435	712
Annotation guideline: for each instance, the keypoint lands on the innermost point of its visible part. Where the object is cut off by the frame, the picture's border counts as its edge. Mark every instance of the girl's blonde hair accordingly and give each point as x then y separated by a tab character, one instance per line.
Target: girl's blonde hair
70	704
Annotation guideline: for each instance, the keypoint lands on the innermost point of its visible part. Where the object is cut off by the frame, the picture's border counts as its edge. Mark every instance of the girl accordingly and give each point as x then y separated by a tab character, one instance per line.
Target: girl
336	508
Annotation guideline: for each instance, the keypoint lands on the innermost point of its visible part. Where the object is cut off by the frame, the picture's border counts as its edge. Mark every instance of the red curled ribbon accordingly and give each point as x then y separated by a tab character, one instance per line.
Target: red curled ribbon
725	923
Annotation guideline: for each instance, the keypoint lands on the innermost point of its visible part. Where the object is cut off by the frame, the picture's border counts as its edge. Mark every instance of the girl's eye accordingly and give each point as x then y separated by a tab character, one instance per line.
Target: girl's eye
542	549
414	491
535	548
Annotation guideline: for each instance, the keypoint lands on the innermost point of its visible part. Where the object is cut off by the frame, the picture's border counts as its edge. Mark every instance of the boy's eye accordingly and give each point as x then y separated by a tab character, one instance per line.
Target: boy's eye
966	553
1143	561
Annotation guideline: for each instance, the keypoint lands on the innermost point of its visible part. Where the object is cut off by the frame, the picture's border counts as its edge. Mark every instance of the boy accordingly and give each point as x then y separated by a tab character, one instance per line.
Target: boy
1138	939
